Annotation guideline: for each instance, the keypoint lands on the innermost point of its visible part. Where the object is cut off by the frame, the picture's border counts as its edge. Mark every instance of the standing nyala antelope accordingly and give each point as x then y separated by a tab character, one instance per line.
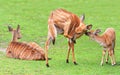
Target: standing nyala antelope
68	24
107	40
20	50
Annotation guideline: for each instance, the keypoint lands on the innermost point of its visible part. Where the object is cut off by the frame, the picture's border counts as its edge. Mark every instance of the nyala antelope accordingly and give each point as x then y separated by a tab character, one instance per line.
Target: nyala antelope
107	40
22	50
68	24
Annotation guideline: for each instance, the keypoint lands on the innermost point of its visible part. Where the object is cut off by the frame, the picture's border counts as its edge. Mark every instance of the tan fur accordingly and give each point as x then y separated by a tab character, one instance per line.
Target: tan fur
107	40
65	21
68	24
23	50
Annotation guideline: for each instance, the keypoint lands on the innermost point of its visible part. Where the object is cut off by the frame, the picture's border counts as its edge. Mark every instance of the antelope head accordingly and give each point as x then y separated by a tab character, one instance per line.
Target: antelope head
15	33
82	28
93	33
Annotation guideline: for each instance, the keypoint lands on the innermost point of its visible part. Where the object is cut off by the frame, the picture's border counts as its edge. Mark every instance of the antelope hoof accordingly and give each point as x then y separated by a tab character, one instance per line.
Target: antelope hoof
113	64
75	63
101	64
47	65
106	62
67	61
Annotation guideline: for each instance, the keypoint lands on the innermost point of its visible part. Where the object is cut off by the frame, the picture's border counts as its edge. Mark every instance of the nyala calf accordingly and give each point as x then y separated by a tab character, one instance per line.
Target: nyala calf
107	40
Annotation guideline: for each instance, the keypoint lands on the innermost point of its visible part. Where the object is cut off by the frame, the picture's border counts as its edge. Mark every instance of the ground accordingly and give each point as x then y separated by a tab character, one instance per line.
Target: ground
32	16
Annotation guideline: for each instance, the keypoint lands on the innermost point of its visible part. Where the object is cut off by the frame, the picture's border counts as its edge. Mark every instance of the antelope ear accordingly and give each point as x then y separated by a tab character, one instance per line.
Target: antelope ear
10	28
82	18
18	28
89	27
97	31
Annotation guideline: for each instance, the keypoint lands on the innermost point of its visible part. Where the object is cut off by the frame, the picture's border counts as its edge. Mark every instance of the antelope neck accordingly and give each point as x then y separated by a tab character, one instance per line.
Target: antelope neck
14	37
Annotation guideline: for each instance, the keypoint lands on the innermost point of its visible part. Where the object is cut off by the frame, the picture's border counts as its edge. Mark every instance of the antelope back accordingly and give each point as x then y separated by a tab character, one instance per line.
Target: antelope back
61	17
61	21
109	35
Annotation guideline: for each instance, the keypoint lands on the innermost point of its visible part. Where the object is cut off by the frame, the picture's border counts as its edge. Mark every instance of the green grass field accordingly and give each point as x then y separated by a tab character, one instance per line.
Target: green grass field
32	16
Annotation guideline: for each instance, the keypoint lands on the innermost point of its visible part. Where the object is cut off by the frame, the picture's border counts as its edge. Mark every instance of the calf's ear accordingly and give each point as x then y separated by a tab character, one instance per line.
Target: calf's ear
97	31
89	27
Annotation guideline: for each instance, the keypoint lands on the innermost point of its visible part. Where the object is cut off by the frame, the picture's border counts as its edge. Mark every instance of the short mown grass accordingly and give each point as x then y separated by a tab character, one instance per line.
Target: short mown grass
32	16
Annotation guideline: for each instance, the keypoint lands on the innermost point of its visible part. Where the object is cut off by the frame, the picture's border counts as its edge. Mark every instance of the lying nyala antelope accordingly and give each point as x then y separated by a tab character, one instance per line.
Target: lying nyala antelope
68	24
107	40
20	50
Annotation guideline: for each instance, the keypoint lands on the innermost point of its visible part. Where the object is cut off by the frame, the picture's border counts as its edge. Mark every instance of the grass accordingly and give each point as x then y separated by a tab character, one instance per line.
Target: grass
32	17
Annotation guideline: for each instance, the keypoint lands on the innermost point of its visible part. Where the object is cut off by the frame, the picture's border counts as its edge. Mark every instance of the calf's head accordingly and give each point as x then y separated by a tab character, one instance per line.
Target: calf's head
93	33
